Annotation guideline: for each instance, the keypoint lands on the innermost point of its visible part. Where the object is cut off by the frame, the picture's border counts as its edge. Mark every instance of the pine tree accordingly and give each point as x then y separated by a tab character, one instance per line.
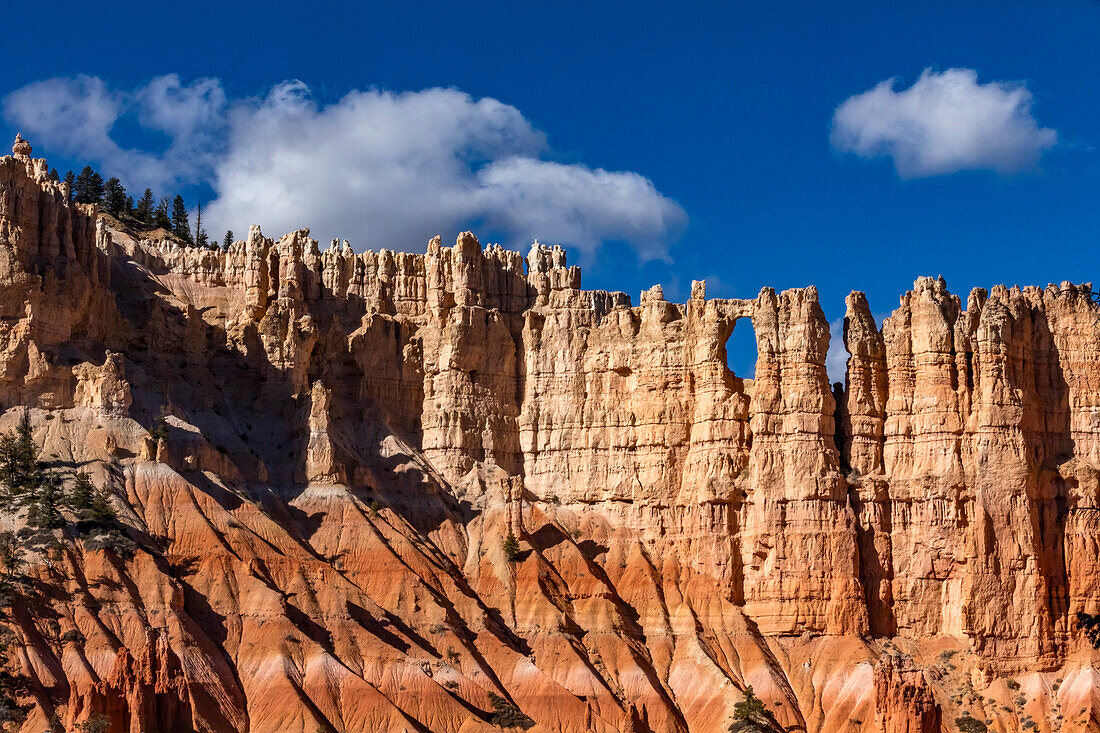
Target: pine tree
70	181
11	556
53	175
160	216
102	513
180	226
20	471
1090	624
82	494
89	187
144	209
201	239
129	206
159	431
25	479
46	504
114	196
227	239
751	715
511	547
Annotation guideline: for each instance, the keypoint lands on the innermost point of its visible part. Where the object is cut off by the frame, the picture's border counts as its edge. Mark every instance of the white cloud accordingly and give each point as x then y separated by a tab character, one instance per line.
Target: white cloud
379	168
538	198
77	116
945	122
836	360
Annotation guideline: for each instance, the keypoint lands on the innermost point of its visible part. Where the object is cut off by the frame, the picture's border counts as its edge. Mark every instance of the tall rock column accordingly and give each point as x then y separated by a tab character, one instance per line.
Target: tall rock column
1073	317
1006	611
798	540
862	418
470	393
922	460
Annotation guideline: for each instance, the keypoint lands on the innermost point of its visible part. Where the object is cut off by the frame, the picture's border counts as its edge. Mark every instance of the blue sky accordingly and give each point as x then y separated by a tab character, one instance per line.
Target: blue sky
670	141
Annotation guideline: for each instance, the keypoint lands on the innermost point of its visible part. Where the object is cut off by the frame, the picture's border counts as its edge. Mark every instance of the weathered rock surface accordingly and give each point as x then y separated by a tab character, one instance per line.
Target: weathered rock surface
351	436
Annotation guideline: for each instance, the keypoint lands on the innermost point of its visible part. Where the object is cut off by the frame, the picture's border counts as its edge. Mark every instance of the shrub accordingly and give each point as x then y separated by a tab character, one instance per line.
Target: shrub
1090	624
966	724
11	556
112	541
73	636
10	712
160	426
507	715
96	723
751	715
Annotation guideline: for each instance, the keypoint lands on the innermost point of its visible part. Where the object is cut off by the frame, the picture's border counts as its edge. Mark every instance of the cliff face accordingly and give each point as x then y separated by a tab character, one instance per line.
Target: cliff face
350	438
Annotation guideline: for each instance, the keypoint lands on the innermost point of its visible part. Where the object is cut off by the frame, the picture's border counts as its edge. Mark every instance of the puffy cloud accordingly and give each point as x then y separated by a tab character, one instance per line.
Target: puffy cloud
945	122
554	201
78	115
380	168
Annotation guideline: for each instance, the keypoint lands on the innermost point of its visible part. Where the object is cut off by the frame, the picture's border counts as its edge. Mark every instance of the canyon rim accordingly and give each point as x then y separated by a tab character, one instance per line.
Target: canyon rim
318	456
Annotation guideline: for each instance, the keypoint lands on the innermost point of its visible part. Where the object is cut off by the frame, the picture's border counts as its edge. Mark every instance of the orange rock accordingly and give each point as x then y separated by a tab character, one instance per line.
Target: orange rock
318	540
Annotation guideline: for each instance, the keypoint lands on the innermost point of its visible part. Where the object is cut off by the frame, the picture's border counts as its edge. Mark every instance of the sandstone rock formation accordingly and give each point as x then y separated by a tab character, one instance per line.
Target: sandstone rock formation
348	438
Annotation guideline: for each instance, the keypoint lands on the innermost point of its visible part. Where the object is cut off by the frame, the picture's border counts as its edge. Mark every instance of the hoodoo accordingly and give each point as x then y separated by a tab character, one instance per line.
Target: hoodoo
316	457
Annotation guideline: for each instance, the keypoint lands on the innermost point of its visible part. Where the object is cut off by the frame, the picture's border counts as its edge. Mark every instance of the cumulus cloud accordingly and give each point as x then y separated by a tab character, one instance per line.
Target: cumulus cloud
382	169
78	115
945	122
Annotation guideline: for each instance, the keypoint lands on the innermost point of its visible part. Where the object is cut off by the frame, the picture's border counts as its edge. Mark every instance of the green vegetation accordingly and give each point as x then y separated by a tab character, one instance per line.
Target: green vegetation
967	724
143	212
507	715
511	547
92	506
89	188
751	715
46	503
160	426
25	481
115	198
180	225
170	214
160	215
96	723
11	557
201	239
1090	624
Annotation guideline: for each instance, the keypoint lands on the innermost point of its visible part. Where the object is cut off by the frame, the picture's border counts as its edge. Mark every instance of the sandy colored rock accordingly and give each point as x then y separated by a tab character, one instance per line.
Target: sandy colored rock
349	438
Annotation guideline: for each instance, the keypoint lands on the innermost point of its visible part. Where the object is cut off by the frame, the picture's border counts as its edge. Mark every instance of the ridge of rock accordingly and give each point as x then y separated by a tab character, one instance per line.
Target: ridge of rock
350	436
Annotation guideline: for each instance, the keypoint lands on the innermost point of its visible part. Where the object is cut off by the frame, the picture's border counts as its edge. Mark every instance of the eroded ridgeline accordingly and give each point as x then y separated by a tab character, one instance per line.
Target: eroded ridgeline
972	436
943	504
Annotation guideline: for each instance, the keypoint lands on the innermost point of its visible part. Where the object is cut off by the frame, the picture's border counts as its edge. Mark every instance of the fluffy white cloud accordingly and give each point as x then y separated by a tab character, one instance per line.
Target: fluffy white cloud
379	168
945	122
77	116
